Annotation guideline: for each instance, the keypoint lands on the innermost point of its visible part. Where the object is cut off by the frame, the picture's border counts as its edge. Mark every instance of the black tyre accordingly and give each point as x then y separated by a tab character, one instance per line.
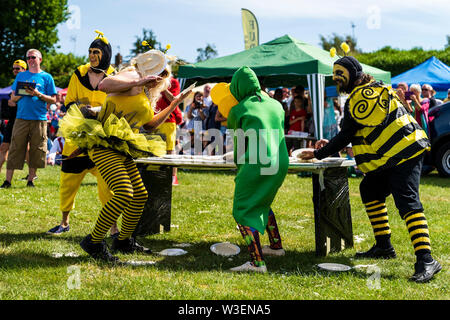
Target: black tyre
442	160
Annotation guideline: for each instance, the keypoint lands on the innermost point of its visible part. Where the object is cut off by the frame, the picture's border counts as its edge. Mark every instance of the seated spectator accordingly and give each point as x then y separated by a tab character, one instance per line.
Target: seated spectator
337	112
421	106
405	96
330	128
428	93
433	96
448	96
297	117
278	95
196	114
223	129
55	154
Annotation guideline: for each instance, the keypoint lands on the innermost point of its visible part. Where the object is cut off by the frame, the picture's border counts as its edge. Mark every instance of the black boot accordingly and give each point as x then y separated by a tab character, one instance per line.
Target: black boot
5	185
424	271
377	252
97	251
128	246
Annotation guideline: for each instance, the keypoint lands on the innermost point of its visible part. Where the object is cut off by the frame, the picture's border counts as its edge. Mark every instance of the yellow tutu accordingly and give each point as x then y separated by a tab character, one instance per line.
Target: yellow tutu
114	133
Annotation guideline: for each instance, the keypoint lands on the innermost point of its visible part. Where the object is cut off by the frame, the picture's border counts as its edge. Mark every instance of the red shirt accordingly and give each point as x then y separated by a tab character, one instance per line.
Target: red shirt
176	116
299	125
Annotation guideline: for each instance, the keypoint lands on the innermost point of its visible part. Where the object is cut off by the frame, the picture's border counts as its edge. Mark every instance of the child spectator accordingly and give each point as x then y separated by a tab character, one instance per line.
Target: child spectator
297	116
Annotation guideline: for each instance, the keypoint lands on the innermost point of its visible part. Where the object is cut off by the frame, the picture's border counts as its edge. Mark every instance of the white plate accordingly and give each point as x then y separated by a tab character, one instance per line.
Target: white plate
225	249
335	267
173	252
139	263
334	160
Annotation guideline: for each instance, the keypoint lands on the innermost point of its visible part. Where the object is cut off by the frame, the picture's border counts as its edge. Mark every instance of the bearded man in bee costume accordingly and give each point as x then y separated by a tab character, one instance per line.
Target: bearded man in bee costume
388	145
83	91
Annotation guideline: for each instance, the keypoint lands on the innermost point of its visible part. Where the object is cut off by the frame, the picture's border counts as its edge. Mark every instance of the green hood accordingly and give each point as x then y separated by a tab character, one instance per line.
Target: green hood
244	83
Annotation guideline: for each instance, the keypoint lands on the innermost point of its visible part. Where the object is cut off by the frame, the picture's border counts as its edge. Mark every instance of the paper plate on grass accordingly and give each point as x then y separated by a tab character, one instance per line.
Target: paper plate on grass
225	249
334	267
173	252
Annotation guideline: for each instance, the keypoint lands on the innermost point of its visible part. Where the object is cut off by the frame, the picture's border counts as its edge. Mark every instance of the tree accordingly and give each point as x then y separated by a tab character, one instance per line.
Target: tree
398	61
61	66
28	24
149	36
209	52
335	41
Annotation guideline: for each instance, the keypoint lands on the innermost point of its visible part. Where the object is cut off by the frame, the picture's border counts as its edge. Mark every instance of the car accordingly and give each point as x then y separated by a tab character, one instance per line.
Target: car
439	130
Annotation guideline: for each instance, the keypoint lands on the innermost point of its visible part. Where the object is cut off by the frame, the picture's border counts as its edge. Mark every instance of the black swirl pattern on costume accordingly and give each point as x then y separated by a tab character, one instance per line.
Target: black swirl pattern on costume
364	108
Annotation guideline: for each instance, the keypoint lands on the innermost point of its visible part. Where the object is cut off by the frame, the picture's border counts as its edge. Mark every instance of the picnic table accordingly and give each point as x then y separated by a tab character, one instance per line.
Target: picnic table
332	214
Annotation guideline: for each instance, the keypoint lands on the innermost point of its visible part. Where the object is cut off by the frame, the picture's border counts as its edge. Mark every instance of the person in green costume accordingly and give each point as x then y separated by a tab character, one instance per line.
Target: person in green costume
260	153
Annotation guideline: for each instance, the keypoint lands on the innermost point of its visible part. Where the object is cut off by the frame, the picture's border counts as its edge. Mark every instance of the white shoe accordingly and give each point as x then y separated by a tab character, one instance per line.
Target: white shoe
246	267
268	251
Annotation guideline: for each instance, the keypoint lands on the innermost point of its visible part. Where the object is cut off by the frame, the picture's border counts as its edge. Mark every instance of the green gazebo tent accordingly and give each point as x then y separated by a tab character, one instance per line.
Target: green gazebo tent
285	62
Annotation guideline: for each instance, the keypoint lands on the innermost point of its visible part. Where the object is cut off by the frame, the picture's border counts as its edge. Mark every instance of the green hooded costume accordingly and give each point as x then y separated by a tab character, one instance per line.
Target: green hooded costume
260	170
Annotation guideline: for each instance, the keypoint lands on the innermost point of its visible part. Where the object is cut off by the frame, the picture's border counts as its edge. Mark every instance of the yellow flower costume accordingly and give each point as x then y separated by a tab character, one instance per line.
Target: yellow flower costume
112	129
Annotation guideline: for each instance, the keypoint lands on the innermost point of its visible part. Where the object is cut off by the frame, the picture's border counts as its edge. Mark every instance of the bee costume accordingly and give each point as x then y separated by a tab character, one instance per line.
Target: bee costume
388	145
112	141
80	92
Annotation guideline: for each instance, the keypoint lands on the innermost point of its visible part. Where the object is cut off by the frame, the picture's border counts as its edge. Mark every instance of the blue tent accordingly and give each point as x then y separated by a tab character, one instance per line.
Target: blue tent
433	72
4	92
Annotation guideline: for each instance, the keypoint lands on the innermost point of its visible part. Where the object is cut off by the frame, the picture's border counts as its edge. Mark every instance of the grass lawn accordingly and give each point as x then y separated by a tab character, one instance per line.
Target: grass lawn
36	266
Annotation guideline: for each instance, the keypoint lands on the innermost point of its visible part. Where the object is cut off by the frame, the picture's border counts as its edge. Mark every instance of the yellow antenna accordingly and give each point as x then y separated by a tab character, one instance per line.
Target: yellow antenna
146	44
101	36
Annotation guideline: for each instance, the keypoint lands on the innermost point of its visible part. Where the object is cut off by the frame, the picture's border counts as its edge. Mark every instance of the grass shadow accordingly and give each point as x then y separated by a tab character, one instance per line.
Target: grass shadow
198	259
6	239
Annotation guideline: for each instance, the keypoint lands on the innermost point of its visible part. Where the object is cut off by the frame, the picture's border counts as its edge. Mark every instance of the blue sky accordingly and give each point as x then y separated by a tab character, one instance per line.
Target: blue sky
191	24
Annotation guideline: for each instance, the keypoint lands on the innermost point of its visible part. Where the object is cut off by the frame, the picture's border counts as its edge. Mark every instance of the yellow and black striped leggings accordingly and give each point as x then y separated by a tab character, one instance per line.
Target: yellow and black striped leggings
123	178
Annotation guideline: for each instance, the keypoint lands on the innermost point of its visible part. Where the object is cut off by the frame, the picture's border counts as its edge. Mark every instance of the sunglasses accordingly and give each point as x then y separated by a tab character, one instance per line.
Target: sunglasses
94	51
16	68
424	89
31	57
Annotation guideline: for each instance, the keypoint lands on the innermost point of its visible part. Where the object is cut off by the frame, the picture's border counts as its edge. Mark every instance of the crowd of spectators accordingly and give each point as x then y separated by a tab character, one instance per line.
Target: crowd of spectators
201	119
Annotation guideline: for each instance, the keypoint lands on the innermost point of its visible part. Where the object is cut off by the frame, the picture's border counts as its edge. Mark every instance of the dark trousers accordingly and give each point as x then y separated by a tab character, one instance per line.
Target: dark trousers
401	181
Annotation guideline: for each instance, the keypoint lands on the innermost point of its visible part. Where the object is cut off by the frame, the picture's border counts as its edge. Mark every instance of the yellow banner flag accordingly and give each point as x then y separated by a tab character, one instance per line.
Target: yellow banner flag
251	31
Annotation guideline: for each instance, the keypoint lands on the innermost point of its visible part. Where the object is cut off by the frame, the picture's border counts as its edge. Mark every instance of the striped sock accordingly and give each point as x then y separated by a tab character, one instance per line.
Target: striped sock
418	232
273	233
251	238
132	213
377	212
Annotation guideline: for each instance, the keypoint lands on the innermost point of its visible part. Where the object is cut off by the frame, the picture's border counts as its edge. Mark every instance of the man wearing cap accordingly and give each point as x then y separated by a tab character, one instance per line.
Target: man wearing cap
262	161
18	66
31	119
389	146
83	90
